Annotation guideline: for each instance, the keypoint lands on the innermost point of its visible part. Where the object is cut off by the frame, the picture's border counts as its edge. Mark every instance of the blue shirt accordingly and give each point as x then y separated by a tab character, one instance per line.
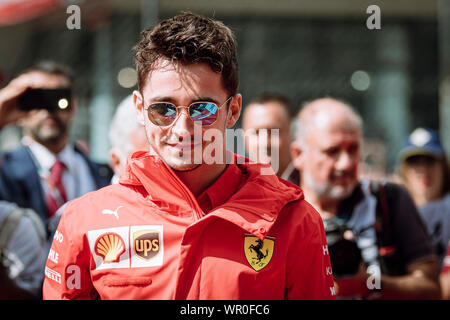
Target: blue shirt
436	216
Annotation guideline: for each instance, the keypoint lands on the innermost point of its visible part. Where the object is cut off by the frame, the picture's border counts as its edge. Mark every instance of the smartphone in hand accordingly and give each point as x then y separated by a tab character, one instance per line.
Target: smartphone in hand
50	99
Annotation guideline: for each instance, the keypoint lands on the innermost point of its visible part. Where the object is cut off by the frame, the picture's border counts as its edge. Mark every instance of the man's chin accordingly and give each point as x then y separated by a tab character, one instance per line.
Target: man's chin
181	165
340	192
49	137
185	168
49	134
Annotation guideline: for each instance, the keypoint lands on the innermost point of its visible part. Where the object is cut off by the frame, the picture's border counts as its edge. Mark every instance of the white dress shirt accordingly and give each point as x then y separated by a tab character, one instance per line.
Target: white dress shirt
77	178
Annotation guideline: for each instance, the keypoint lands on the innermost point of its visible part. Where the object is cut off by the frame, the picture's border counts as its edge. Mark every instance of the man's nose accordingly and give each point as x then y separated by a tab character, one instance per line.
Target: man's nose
345	161
44	113
183	125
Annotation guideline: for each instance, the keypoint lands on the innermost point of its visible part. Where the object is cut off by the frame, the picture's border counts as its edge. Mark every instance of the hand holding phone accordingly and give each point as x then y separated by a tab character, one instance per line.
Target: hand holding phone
24	93
9	110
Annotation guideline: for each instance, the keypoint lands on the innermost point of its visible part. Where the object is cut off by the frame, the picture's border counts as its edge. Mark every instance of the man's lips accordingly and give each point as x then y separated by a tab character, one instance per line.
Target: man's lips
49	121
180	146
344	178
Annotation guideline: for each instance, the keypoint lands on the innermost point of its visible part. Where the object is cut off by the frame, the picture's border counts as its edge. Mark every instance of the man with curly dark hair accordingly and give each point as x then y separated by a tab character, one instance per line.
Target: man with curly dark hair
190	219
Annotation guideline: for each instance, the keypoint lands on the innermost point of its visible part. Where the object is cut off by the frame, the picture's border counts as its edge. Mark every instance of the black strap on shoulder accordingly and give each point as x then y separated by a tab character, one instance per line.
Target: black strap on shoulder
385	196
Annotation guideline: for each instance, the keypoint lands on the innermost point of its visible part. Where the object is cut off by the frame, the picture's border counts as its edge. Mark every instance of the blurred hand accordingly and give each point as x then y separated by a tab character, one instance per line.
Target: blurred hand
354	286
9	290
9	106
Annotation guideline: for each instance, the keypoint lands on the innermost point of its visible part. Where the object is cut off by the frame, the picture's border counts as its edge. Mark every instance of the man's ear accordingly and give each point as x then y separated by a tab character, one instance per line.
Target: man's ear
114	161
234	110
138	101
297	154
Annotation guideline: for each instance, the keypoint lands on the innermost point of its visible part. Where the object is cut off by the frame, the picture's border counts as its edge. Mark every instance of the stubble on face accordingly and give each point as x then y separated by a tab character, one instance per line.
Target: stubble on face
179	153
49	129
328	189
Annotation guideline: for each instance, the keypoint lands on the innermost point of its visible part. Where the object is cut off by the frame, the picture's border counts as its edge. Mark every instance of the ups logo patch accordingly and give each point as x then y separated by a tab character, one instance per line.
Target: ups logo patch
146	243
258	252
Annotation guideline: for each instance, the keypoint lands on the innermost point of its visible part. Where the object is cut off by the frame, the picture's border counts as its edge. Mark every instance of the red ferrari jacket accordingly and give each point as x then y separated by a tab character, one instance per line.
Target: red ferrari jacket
147	238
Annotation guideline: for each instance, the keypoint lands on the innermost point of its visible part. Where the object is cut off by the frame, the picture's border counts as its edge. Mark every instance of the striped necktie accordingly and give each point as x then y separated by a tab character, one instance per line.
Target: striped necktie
56	193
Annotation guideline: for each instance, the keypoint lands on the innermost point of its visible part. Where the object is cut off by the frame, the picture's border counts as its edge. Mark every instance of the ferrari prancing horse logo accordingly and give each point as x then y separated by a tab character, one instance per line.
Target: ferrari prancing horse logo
258	252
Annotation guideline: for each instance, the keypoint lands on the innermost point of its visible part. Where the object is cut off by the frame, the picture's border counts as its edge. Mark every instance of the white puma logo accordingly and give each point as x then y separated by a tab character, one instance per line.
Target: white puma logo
114	213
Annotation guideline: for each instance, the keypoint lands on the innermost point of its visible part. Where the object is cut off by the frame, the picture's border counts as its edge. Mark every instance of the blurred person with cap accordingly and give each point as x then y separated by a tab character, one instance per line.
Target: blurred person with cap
269	110
379	247
47	170
424	170
423	167
126	136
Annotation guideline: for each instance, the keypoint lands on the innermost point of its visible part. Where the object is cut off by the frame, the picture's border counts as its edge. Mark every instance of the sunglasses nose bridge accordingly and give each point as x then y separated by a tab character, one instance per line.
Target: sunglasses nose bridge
181	111
186	110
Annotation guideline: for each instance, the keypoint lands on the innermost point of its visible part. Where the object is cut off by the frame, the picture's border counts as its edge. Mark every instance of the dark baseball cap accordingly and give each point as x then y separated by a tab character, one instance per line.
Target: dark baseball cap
422	142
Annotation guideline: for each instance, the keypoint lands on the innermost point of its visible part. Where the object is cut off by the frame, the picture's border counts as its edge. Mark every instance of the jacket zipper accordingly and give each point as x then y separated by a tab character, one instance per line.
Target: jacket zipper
193	204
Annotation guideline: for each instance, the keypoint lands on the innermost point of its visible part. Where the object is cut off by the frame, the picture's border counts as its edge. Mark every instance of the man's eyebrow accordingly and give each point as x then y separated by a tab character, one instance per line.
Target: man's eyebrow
172	100
163	99
207	99
329	148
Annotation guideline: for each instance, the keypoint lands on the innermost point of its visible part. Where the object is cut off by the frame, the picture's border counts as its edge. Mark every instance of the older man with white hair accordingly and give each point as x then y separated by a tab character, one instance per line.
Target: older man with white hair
379	247
126	136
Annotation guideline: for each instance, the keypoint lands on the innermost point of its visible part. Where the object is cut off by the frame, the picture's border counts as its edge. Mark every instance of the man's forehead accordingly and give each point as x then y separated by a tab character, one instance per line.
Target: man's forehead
167	78
333	136
332	119
266	114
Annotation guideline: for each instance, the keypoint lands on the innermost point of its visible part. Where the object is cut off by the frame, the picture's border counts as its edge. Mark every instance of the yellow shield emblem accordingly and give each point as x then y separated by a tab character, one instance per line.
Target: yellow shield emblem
258	252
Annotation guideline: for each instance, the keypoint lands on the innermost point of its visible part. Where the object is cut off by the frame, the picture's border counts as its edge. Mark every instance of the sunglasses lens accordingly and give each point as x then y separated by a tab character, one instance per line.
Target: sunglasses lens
162	114
205	112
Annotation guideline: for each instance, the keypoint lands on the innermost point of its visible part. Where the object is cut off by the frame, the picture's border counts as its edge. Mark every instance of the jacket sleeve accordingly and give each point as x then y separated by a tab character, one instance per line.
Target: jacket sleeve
67	270
309	271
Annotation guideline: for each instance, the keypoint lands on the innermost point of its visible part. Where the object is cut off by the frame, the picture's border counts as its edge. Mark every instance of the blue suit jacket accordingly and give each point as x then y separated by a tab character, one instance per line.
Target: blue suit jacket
20	182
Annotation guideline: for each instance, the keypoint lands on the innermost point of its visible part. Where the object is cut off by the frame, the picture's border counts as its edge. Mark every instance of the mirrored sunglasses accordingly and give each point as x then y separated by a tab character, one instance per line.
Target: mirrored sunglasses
165	113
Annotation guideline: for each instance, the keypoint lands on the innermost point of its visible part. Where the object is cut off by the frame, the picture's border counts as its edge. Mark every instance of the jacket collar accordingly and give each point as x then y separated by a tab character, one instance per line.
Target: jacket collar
254	206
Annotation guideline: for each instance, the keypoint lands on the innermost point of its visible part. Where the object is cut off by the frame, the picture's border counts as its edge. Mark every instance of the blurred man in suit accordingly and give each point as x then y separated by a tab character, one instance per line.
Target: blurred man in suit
47	170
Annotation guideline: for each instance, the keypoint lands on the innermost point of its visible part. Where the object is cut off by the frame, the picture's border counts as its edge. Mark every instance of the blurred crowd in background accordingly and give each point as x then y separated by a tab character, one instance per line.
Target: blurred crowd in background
361	124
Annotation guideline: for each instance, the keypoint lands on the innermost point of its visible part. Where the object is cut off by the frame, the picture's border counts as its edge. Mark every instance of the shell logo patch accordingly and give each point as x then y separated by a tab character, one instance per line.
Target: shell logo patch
110	247
258	252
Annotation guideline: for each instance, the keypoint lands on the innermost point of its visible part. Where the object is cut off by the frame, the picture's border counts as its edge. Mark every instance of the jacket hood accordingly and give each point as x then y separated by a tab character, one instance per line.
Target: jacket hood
254	206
